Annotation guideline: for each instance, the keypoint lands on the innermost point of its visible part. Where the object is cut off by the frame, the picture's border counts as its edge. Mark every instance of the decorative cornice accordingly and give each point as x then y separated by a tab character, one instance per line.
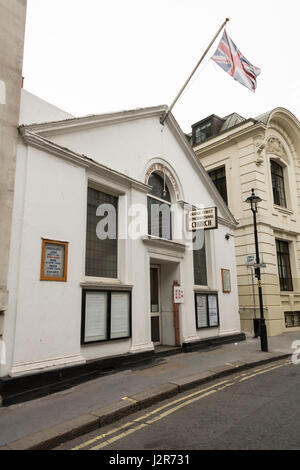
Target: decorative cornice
249	223
275	147
231	136
91	121
228	224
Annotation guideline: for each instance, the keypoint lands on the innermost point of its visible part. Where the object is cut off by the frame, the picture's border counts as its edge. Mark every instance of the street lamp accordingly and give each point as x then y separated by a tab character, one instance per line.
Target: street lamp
254	200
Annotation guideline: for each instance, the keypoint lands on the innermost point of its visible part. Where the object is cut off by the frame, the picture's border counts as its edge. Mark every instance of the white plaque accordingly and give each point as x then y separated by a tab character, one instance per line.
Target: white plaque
201	302
213	310
178	295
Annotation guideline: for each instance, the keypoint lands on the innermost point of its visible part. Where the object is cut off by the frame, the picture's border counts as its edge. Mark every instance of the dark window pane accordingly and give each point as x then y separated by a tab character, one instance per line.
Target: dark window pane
202	132
284	266
200	270
154	290
101	255
158	187
218	177
155	336
278	184
292	319
159	219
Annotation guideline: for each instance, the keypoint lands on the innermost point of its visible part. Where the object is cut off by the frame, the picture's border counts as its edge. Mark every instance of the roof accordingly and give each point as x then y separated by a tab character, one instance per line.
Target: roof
45	130
264	118
231	120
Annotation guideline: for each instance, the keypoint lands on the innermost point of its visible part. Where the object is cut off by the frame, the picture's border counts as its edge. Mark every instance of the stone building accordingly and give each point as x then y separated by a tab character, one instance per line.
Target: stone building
12	29
262	153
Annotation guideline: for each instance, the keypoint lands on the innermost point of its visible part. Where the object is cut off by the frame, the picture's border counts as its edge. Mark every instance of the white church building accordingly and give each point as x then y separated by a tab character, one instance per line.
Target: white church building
96	271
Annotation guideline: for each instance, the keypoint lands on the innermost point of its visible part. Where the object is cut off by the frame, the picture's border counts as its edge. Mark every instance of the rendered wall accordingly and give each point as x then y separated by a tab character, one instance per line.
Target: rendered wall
45	317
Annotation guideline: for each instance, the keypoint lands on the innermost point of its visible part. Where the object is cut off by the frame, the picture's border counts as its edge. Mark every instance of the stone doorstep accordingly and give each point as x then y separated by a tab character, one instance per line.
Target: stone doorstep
50	438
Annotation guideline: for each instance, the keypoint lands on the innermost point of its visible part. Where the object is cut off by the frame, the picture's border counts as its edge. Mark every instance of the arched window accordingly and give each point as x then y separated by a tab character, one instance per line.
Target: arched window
159	187
278	184
159	208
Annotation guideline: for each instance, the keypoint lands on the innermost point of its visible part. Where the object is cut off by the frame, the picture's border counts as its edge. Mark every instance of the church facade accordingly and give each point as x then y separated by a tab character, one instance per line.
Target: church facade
110	256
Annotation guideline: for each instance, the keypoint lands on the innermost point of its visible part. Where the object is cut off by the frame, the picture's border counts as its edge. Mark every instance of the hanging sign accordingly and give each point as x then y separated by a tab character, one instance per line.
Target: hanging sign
203	219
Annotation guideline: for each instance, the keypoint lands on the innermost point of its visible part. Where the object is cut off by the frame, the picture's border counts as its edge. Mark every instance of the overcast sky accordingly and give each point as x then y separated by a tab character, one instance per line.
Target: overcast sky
96	56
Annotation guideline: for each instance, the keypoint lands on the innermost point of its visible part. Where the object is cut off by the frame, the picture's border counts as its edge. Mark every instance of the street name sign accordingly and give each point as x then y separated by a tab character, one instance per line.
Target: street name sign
251	260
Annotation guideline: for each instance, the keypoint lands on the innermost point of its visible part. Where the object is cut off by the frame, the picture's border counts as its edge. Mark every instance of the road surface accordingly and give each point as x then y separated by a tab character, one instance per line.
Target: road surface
257	409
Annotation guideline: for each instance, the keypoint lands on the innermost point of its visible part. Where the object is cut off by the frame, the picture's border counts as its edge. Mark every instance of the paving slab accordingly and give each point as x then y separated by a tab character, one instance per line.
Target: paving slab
52	437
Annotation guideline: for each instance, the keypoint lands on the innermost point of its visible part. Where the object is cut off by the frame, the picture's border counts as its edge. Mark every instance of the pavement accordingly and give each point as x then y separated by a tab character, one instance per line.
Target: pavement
52	420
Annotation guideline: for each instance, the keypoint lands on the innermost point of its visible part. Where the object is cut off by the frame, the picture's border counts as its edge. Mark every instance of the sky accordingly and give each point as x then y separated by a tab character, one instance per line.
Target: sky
98	56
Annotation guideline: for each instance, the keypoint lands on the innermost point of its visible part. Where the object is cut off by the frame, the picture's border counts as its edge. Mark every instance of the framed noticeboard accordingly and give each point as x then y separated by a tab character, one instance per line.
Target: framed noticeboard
226	283
106	316
207	310
54	263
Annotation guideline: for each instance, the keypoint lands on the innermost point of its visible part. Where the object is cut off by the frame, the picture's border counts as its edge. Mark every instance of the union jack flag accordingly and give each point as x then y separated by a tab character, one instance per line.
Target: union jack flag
233	62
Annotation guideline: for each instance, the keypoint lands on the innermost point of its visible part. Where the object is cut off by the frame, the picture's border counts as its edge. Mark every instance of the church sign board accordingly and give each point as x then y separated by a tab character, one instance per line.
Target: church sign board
203	219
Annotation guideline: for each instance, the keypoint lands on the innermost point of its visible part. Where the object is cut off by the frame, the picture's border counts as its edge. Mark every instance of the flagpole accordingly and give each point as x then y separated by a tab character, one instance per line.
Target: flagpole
162	120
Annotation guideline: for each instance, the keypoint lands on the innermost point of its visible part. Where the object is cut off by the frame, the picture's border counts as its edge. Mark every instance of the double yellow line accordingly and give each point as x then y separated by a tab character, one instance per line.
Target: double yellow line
170	408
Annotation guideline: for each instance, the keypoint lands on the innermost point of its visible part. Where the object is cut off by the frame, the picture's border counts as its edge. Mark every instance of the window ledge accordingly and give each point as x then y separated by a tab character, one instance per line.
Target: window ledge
106	285
284	210
163	243
205	289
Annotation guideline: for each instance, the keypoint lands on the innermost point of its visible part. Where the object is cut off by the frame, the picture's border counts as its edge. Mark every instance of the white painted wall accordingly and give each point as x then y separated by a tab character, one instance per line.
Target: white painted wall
129	147
35	110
